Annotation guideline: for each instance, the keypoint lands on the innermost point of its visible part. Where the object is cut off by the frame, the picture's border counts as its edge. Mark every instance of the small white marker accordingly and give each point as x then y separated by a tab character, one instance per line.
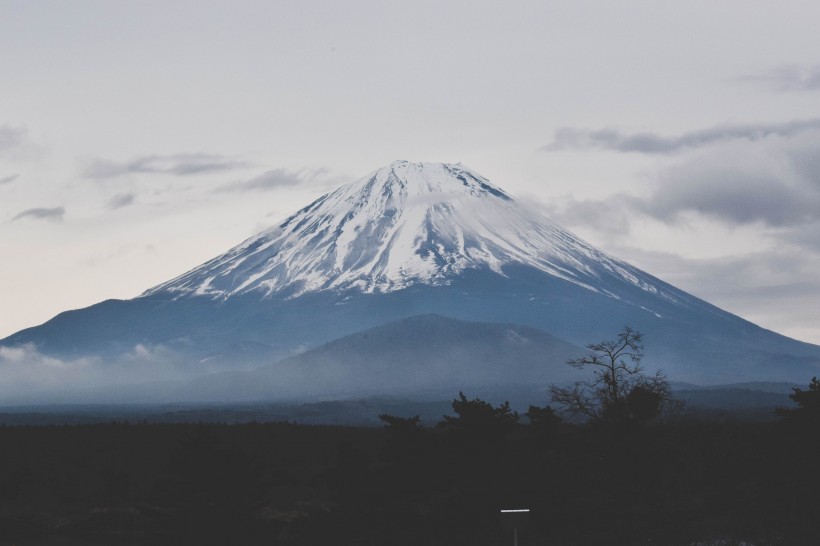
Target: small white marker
515	529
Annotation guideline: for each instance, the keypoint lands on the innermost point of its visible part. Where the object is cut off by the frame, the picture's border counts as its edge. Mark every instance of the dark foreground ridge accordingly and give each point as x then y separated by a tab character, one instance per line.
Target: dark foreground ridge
687	482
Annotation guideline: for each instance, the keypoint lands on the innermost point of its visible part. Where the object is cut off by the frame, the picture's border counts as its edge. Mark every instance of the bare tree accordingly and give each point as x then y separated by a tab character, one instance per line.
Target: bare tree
619	389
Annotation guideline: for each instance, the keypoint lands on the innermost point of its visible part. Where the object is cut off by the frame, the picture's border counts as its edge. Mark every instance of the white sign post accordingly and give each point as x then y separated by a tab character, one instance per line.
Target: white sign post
517	519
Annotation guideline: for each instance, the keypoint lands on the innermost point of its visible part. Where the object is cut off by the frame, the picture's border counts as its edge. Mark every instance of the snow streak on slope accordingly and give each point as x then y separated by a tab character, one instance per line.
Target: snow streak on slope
406	223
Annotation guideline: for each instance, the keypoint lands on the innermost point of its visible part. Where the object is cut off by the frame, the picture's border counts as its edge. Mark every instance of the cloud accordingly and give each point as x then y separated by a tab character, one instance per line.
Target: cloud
610	215
25	366
731	195
804	159
120	200
568	138
275	179
805	236
28	375
176	164
788	77
8	179
775	184
772	288
11	138
767	189
54	214
772	183
784	271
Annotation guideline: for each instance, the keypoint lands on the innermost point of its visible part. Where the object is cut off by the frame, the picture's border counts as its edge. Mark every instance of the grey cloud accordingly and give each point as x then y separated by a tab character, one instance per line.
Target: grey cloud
11	137
176	164
568	138
788	77
805	161
708	278
40	213
738	282
806	236
773	288
273	179
610	216
776	184
733	196
8	179
772	183
120	200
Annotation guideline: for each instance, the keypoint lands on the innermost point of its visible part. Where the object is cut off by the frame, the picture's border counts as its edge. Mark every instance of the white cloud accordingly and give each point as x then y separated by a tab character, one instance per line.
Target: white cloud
28	375
25	366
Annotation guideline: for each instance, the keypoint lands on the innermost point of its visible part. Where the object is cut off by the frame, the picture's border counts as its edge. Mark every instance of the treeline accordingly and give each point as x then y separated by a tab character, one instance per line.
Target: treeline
610	481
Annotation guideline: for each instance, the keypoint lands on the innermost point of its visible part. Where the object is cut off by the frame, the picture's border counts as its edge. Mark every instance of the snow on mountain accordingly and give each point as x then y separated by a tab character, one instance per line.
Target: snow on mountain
405	224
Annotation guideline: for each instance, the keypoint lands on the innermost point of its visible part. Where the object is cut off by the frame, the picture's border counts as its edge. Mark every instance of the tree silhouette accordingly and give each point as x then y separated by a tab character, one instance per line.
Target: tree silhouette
543	419
808	403
395	423
619	389
478	415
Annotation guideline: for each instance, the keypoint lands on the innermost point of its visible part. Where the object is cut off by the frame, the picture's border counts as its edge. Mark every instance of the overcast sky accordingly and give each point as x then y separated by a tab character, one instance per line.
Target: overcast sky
139	139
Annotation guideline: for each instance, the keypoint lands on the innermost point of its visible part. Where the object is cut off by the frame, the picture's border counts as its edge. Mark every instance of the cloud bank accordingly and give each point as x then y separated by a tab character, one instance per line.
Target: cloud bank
275	179
24	366
29	376
569	138
777	184
8	179
733	174
175	164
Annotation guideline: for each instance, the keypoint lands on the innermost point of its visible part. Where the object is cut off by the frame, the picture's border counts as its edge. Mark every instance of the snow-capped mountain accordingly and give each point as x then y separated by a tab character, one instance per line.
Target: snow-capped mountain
405	224
409	240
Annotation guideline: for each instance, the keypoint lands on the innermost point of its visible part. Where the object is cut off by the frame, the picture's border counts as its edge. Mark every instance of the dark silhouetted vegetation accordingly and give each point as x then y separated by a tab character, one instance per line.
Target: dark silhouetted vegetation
673	483
401	423
808	404
480	416
619	390
544	419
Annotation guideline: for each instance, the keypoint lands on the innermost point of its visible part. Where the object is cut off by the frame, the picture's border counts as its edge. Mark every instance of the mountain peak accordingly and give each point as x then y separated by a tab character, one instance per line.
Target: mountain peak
404	224
417	178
